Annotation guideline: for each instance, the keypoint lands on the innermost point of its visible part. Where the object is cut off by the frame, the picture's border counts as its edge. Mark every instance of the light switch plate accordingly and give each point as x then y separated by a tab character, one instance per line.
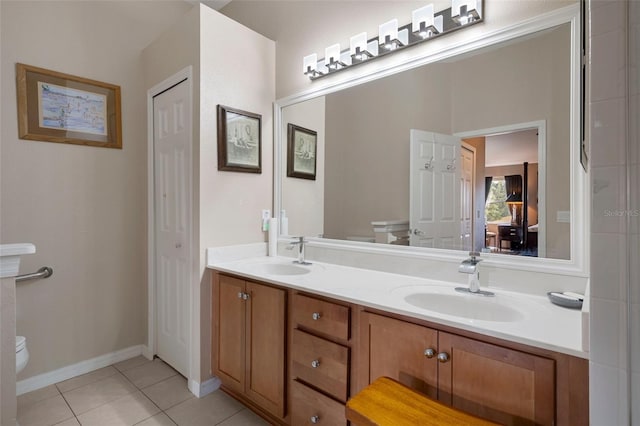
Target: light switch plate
563	216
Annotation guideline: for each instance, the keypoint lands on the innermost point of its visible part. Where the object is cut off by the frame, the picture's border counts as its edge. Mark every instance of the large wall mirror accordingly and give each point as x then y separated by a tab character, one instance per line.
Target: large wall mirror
477	151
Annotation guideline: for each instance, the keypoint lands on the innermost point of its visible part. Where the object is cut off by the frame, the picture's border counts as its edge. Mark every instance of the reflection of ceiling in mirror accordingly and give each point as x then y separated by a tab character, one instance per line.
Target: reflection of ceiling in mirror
511	148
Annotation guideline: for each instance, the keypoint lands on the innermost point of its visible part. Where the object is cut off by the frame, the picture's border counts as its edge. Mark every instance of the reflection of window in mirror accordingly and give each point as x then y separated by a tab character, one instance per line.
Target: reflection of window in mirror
496	207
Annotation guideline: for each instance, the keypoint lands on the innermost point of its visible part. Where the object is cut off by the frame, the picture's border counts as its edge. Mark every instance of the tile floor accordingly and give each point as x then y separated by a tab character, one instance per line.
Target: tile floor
133	392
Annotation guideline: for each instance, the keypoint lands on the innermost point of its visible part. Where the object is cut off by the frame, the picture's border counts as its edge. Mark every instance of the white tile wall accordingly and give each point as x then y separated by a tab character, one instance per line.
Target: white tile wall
610	407
610	249
615	266
609	333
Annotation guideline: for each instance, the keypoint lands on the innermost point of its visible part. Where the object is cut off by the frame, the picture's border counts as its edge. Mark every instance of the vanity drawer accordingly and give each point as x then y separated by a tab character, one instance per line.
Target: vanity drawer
321	316
321	363
310	407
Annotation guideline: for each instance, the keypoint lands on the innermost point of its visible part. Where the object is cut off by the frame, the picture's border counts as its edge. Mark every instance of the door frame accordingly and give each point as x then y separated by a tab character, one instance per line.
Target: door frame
541	125
472	149
185	75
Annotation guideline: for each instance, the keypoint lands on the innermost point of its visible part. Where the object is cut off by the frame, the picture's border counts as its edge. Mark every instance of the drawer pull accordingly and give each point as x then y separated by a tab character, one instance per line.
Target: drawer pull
315	419
316	316
315	363
429	353
443	357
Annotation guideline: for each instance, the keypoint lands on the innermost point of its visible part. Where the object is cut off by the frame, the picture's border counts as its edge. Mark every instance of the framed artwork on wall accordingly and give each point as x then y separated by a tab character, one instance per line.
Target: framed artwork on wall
239	140
302	147
63	108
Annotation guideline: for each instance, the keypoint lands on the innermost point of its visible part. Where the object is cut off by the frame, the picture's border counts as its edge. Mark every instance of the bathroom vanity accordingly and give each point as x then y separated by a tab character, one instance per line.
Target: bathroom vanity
295	342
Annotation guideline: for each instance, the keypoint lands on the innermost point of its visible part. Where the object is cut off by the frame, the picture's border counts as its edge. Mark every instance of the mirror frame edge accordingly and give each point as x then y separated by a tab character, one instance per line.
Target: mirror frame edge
578	264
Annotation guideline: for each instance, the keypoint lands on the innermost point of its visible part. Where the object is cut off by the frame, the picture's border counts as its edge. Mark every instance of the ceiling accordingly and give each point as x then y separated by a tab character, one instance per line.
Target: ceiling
214	4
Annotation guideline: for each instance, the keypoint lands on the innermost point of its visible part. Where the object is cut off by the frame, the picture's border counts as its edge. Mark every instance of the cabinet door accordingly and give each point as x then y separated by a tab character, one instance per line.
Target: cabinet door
228	344
265	342
397	350
495	383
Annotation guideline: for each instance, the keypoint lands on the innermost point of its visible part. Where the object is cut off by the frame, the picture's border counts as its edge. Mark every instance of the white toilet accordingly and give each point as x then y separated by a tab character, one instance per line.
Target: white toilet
22	354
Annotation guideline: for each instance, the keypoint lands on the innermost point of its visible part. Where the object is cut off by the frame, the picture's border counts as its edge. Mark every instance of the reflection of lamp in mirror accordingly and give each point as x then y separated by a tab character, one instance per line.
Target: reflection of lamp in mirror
389	36
464	12
332	58
310	66
423	24
360	49
514	200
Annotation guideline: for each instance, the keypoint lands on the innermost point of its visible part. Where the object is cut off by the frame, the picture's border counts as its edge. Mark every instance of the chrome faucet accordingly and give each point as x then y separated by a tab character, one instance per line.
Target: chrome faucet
470	266
300	242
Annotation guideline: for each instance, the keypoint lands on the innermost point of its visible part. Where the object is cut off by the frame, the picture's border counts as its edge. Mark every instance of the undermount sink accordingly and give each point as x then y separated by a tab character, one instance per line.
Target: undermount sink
469	306
280	269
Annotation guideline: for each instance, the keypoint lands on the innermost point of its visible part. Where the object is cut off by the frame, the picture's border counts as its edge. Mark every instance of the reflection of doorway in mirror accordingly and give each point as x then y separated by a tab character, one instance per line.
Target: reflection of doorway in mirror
515	151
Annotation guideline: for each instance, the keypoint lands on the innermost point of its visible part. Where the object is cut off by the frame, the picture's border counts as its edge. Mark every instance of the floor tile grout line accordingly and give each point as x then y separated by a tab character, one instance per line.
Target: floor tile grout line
70	409
227	418
105	403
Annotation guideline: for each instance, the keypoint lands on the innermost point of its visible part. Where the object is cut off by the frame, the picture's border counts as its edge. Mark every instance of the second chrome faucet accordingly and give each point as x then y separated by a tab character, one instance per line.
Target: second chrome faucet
300	243
470	266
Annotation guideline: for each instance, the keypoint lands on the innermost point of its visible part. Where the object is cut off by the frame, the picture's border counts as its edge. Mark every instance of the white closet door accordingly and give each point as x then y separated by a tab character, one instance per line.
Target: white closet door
172	183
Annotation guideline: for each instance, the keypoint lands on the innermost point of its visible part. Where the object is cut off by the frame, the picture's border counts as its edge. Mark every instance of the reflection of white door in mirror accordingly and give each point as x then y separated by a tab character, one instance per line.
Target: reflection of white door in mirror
434	190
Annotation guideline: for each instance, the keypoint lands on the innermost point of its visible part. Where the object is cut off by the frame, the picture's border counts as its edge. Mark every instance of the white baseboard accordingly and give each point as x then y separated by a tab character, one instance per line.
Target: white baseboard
204	388
83	367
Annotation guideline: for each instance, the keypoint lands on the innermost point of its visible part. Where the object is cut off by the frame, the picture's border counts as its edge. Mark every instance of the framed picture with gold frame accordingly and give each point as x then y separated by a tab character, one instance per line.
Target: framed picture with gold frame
63	108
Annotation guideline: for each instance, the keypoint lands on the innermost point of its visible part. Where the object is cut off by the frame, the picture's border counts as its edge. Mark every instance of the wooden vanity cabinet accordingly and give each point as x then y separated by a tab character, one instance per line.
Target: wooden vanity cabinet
320	367
499	384
249	341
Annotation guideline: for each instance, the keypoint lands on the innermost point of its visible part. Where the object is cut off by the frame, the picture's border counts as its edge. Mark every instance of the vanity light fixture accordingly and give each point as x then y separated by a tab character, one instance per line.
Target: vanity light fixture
332	58
360	49
426	24
310	66
465	12
389	37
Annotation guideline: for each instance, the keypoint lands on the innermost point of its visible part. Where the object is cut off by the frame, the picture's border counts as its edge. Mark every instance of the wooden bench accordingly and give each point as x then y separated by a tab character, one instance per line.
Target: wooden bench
385	402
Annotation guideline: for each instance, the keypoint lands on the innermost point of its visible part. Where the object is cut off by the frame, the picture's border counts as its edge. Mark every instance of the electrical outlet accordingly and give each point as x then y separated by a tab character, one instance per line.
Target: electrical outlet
266	215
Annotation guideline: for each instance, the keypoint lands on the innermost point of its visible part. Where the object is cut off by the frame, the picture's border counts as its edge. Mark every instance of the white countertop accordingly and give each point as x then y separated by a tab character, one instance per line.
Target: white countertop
541	325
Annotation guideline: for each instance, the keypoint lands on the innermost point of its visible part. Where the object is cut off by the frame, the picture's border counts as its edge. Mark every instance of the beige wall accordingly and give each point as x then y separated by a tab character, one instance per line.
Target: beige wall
84	208
299	194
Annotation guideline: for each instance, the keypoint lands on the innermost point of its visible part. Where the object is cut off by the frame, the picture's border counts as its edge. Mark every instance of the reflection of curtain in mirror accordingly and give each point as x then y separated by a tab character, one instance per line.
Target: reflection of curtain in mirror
487	187
513	184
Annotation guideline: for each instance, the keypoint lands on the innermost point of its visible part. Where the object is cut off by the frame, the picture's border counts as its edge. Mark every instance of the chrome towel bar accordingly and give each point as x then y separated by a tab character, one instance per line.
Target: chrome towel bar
44	272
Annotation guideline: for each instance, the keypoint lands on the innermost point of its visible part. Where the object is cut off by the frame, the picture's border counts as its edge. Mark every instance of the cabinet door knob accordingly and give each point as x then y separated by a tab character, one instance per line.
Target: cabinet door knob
240	295
315	419
245	296
443	357
316	316
315	363
429	353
